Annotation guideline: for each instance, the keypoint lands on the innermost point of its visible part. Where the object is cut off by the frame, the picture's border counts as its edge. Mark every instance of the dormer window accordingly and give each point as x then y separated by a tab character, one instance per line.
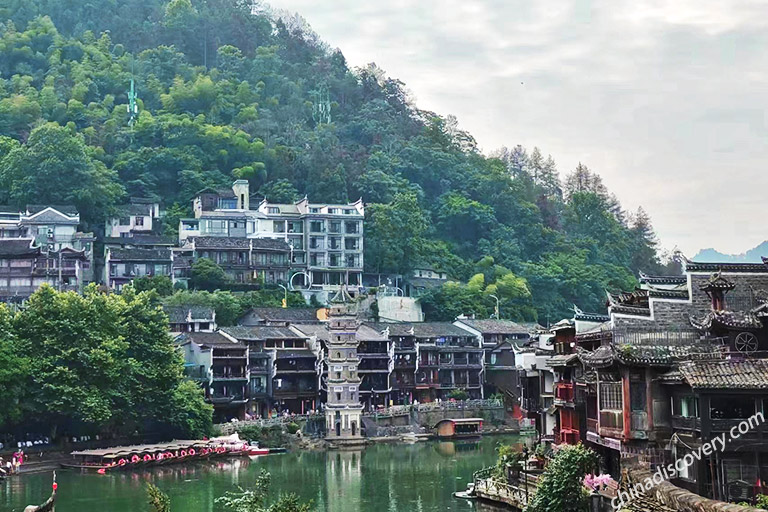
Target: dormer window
273	209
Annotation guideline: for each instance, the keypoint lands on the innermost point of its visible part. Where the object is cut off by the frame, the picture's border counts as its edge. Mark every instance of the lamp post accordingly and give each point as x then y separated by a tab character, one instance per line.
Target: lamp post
497	305
285	298
525	473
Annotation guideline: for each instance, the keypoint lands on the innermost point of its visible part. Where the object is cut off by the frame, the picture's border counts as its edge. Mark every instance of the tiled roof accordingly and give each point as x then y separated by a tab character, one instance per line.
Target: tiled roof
261	332
437	329
125	210
646	279
494	326
220	242
66	209
209	338
395	329
140	239
591	317
693	266
671	377
730	374
561	360
601	357
364	332
16	247
223	242
728	319
178	314
271	314
140	254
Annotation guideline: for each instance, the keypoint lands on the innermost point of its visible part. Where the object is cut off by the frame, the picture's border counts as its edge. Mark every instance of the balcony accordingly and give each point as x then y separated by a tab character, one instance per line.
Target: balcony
563	393
222	377
686	423
569	436
611	419
726	424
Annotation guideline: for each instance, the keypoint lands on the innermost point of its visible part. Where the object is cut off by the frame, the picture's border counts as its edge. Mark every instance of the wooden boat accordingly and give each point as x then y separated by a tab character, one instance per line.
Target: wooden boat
281	449
141	456
49	503
468	494
254	450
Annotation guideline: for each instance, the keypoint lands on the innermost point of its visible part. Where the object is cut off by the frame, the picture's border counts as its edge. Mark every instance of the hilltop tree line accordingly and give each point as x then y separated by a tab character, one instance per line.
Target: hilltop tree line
228	89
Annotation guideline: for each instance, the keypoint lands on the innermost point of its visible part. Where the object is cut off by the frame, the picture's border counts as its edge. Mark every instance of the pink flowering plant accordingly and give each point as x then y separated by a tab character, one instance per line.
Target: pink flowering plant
596	483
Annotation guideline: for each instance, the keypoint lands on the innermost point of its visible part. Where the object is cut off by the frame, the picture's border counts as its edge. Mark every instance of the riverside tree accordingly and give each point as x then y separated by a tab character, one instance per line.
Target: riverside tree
103	363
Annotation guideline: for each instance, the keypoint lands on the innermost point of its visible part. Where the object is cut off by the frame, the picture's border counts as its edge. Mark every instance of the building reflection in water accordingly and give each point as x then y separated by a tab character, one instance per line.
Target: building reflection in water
343	481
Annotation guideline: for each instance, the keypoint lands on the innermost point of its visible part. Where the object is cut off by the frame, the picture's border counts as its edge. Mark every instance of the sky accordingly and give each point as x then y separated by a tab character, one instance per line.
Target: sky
665	99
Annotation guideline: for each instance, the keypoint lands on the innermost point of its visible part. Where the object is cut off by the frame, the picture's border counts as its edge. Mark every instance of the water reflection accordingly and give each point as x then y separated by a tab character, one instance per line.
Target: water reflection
381	478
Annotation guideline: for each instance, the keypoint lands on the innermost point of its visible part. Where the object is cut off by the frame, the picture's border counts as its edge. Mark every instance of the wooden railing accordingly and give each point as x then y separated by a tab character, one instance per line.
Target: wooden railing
488	488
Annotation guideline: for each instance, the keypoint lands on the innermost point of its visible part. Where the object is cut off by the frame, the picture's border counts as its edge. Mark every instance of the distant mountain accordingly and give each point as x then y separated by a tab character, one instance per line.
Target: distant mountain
751	256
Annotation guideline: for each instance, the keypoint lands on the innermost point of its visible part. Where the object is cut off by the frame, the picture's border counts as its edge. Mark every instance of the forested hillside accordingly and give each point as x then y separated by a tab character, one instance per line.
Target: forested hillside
226	91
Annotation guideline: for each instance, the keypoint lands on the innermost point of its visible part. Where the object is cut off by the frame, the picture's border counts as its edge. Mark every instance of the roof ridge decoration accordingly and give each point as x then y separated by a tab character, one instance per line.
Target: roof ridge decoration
717	282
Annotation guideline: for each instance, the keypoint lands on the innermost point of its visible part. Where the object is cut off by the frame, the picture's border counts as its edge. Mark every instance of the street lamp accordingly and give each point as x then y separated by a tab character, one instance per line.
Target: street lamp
525	472
497	305
285	298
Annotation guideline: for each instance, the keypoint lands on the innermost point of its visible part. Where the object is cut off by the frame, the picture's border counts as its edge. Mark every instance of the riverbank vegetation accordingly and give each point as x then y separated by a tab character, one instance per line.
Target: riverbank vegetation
95	364
561	486
227	90
253	499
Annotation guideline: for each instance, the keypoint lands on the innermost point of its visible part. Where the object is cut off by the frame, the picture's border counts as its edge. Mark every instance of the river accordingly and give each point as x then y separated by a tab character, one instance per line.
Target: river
387	477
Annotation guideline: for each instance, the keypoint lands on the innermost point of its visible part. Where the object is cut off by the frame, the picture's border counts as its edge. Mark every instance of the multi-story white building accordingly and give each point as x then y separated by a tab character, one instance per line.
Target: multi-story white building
138	217
325	240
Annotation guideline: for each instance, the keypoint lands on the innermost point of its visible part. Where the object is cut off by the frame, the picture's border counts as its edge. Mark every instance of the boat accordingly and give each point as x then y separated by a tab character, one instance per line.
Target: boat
468	494
254	450
47	506
281	449
140	456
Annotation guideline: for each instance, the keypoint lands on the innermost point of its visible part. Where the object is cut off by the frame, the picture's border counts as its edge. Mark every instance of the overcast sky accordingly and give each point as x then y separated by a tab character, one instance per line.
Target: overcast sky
664	98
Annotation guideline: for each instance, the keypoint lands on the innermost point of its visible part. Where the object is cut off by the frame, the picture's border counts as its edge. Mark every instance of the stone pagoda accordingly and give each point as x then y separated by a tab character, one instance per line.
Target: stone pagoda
343	408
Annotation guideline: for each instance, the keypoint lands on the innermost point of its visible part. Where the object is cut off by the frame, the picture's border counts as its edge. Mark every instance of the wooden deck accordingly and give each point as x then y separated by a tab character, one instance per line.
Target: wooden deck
486	488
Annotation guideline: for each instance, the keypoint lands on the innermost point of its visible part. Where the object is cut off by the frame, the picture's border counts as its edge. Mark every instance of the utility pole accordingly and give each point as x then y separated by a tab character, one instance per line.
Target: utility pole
497	306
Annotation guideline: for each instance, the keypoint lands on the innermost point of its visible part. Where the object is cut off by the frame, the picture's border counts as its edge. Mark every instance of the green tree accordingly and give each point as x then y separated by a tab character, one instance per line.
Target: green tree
561	487
55	166
395	234
207	275
162	285
256	499
14	372
158	500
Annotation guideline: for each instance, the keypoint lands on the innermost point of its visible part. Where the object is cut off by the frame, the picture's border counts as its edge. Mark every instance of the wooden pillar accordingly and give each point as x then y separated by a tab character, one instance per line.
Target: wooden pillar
626	412
649	396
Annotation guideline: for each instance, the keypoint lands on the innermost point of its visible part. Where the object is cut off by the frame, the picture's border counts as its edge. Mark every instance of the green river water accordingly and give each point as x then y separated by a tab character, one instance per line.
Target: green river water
393	477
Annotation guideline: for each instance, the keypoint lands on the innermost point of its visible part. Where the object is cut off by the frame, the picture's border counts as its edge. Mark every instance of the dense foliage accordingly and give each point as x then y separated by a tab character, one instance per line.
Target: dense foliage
229	306
256	499
95	364
561	488
227	93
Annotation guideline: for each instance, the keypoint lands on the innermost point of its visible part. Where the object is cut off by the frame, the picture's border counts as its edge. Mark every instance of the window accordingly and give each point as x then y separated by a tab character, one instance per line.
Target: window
347	211
352	227
317	226
124	221
279	226
610	396
732	407
351	244
139	221
333	211
685	406
273	209
316	242
334	226
314	210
